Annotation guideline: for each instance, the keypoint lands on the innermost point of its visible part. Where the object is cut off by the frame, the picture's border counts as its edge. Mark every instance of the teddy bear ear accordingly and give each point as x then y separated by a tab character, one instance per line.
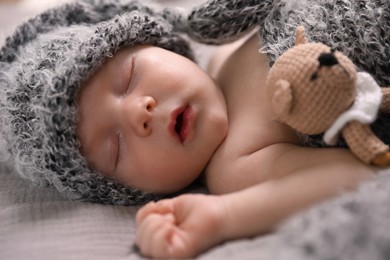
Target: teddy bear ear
300	37
282	98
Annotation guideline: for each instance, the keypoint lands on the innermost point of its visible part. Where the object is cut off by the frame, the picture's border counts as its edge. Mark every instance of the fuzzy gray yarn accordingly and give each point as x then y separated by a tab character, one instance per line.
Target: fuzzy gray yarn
352	227
43	65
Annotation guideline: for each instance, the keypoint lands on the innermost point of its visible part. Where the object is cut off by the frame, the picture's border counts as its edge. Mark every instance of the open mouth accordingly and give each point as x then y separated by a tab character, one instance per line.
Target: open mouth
181	123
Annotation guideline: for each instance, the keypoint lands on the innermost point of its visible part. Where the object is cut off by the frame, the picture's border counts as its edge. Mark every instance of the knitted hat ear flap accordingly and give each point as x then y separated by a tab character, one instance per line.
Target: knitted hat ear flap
38	100
222	21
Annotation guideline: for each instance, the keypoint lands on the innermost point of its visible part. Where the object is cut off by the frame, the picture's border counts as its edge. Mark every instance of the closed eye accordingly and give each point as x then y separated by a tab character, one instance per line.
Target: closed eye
120	149
131	83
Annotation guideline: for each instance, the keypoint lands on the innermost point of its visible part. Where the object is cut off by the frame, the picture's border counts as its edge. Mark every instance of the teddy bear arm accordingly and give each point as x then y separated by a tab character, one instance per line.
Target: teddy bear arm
365	144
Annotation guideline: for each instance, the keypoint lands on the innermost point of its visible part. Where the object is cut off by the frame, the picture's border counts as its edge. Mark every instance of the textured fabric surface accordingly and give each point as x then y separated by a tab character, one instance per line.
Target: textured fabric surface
364	109
38	223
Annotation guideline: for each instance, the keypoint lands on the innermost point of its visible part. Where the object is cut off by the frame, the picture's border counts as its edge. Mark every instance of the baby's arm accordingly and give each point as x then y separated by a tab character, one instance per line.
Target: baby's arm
261	208
189	224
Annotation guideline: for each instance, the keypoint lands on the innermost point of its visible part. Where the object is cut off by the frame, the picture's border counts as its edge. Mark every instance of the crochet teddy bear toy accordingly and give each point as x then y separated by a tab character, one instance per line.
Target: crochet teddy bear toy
315	89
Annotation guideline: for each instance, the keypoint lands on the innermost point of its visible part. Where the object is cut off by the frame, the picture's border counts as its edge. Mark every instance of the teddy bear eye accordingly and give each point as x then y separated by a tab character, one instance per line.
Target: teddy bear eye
327	59
314	76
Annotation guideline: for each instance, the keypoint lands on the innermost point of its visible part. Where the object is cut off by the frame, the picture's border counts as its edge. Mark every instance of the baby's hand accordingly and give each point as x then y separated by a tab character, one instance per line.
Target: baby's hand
181	227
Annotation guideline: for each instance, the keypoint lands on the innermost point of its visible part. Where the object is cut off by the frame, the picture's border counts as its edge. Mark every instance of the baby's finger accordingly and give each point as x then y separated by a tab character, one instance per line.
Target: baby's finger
160	243
143	212
148	244
148	229
143	230
161	207
175	244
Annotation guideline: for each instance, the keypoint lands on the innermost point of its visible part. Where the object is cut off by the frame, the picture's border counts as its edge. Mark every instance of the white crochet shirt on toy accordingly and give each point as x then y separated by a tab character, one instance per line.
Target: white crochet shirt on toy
364	109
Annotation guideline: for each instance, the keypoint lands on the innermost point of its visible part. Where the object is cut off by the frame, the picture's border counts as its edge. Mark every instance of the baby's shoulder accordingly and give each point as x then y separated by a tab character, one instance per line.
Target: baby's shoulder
241	71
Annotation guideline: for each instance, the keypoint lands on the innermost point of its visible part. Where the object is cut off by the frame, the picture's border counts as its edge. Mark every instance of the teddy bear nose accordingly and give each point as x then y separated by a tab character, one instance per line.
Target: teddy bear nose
327	59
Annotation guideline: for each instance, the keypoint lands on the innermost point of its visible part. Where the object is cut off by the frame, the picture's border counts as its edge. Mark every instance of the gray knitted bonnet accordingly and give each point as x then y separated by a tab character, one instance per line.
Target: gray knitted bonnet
42	66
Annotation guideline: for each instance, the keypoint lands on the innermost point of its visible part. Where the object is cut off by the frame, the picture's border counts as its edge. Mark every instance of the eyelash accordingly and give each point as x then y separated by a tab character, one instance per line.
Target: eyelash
120	148
131	77
120	136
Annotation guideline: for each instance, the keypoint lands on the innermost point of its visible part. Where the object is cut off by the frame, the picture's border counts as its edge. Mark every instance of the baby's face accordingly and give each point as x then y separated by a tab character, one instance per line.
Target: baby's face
151	119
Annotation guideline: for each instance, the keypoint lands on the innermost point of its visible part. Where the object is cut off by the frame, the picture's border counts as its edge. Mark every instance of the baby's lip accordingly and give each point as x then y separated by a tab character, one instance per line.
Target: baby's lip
181	123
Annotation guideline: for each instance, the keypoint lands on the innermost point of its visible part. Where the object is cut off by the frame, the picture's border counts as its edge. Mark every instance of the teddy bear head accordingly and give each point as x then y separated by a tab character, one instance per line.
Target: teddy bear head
310	85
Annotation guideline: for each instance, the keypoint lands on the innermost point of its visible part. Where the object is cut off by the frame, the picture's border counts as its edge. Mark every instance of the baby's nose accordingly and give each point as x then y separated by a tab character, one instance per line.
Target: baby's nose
141	115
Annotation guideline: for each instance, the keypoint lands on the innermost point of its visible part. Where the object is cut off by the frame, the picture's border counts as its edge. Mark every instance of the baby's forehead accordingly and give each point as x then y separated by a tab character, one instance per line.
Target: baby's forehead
118	58
119	63
111	66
